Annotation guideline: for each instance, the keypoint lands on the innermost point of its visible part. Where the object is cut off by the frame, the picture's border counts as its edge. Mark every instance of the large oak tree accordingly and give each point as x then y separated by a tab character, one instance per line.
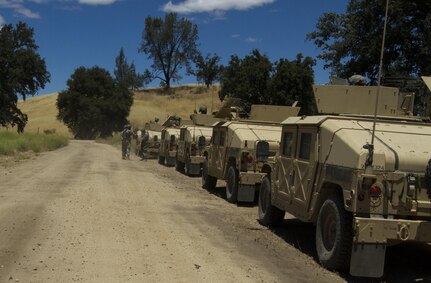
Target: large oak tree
351	41
22	72
94	104
171	44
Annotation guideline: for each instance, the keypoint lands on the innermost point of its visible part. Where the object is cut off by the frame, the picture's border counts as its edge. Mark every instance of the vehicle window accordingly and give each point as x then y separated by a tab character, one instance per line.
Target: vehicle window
305	149
222	137
287	144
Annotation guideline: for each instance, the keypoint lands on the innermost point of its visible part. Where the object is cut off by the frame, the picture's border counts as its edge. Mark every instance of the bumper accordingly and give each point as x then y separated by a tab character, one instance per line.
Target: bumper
376	230
248	178
197	159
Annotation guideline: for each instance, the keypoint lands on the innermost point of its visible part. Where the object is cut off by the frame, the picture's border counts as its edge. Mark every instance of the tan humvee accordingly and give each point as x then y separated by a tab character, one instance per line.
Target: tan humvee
151	148
168	146
192	143
168	140
237	152
360	199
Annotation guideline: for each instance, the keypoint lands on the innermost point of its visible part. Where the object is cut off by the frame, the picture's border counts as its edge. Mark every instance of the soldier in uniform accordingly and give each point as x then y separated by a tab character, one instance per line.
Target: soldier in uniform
126	139
144	143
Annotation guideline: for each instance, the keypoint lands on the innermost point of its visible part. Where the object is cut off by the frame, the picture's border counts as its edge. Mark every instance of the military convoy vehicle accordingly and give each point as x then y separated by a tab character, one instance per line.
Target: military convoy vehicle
150	148
238	150
192	142
362	196
168	143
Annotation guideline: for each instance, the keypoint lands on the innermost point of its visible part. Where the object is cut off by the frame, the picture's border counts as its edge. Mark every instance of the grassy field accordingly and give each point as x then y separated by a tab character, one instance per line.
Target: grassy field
148	104
12	143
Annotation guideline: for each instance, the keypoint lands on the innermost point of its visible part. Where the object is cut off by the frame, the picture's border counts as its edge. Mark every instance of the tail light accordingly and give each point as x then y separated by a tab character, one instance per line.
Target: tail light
172	143
375	190
193	149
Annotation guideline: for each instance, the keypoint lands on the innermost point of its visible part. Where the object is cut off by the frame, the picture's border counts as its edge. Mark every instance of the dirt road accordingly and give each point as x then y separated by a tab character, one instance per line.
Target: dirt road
81	214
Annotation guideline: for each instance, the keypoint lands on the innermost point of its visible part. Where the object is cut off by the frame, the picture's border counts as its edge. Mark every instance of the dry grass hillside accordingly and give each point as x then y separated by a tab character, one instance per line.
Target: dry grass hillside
148	103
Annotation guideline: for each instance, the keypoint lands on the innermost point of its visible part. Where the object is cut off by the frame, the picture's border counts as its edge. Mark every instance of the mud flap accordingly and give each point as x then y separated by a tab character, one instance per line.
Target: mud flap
246	193
194	169
368	260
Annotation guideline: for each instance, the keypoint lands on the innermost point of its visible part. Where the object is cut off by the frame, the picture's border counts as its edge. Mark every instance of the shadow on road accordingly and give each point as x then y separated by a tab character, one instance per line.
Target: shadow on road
407	262
221	193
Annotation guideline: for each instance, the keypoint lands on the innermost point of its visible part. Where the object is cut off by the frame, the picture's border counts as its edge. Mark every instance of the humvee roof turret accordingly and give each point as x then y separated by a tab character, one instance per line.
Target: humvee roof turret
361	200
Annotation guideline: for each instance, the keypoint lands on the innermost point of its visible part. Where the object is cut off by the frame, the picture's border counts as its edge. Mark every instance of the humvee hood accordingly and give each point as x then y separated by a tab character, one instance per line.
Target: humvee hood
397	146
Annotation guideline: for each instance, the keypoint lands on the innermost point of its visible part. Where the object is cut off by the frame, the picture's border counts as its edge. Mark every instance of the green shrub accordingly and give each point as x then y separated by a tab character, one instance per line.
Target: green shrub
11	142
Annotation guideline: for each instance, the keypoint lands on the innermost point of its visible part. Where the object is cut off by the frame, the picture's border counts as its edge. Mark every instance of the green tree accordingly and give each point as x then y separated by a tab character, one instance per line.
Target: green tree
171	44
293	81
247	78
94	104
208	69
351	41
22	72
126	74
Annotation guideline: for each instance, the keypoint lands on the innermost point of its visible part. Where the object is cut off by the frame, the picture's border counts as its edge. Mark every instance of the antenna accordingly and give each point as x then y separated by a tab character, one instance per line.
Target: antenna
379	79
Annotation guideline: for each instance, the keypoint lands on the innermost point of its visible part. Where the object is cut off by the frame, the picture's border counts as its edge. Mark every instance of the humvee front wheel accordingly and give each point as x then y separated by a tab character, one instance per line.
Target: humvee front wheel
179	166
269	215
232	185
334	234
161	160
208	182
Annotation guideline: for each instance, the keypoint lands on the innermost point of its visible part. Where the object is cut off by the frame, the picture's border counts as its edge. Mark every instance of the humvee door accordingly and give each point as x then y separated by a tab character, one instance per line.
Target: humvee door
297	168
218	152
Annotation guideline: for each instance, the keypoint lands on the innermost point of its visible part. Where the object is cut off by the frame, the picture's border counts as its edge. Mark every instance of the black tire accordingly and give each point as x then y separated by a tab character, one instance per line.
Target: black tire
179	166
269	215
208	182
232	185
334	234
161	160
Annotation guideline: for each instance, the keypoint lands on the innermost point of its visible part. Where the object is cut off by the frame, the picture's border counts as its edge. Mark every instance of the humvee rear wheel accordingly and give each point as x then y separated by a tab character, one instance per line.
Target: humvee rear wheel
208	182
334	234
161	160
269	215
232	185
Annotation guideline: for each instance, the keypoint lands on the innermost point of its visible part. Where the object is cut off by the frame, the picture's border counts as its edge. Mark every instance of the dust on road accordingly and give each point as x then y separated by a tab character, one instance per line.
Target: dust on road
82	214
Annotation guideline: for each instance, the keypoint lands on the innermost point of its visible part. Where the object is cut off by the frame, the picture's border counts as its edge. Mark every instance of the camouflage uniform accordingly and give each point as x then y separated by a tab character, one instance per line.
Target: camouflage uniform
126	139
144	142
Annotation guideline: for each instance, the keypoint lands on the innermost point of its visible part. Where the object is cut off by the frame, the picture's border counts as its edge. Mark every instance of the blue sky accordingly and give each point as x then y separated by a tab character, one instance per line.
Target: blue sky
73	33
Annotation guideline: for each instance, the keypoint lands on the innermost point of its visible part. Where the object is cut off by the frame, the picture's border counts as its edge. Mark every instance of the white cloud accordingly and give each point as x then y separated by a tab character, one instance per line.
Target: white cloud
18	7
2	21
97	2
201	6
251	39
236	35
